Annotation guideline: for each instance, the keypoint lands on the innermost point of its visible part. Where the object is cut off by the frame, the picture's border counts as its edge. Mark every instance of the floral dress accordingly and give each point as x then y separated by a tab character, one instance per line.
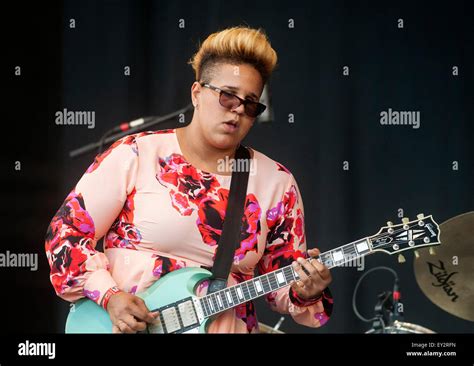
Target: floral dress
158	213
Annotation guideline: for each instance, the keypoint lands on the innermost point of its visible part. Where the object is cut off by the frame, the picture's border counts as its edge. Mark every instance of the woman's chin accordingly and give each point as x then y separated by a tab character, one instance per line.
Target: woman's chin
224	142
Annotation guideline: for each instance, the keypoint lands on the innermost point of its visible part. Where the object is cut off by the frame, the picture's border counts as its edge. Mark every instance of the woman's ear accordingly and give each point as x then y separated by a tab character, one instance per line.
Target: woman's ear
195	90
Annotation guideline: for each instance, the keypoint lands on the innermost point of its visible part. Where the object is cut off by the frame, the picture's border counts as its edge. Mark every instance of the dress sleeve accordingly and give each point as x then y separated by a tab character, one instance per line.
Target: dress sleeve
286	241
77	268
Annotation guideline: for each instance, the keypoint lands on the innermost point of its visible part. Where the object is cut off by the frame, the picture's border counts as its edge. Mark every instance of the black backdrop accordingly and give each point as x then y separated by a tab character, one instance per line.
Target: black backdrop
336	119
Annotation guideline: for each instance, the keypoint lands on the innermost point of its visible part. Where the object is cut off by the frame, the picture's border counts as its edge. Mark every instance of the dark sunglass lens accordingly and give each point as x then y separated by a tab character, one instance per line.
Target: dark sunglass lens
254	109
228	100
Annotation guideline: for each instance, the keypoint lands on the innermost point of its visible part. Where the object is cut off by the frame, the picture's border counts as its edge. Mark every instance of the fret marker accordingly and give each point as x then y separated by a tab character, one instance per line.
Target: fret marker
239	292
338	256
210	303
258	286
229	298
362	247
219	300
280	277
295	275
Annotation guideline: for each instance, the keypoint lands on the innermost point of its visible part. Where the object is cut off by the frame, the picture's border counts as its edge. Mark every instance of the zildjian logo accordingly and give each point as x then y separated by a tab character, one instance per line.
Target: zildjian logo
443	279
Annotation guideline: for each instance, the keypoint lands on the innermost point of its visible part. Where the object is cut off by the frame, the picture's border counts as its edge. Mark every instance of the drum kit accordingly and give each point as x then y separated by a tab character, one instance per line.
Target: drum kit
446	277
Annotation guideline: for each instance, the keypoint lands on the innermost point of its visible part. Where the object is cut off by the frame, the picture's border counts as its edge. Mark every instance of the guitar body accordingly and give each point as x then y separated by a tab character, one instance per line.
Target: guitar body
88	317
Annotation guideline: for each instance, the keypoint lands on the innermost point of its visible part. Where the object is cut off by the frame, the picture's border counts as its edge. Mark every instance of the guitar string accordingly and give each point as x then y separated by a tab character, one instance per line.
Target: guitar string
347	249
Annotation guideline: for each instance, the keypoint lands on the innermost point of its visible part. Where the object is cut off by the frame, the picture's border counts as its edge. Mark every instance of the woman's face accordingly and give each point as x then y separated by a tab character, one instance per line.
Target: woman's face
242	80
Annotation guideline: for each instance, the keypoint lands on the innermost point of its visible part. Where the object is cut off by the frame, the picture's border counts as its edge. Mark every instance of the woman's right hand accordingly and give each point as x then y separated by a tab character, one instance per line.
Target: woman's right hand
129	313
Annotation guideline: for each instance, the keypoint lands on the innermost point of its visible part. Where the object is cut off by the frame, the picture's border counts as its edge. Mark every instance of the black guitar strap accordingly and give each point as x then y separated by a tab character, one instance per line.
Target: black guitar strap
230	236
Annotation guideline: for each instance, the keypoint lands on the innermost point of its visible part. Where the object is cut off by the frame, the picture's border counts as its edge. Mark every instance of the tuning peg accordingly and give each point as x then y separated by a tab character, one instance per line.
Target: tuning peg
389	223
401	258
420	216
432	251
405	220
417	254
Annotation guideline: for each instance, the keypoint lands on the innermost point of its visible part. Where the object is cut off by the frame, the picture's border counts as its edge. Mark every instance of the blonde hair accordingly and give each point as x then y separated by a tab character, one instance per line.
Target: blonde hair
236	45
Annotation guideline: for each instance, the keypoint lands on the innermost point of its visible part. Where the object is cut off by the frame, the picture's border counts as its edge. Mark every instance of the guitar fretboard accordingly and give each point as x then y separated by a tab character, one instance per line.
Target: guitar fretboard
262	285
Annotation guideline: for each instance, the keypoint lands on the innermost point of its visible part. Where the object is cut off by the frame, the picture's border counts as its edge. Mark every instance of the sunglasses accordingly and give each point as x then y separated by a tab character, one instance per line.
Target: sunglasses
231	101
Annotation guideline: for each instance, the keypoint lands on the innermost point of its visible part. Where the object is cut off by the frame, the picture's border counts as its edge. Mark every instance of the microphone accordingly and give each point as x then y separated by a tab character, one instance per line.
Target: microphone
125	126
121	130
397	314
128	125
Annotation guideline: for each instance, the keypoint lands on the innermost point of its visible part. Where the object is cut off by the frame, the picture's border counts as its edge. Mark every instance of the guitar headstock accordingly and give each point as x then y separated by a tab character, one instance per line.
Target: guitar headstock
419	233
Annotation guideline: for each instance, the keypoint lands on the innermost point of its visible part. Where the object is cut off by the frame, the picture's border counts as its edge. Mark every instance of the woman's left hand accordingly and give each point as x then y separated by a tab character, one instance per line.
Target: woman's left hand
312	285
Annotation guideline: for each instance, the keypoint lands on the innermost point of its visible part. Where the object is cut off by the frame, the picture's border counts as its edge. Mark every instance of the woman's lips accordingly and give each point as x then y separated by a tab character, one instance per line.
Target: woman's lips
230	126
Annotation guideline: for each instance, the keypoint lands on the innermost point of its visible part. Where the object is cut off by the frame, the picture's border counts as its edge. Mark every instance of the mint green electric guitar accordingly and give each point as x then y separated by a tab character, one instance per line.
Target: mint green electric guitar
181	311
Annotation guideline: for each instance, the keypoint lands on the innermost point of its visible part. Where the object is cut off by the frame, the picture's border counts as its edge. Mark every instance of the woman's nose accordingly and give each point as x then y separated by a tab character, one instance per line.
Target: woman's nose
240	109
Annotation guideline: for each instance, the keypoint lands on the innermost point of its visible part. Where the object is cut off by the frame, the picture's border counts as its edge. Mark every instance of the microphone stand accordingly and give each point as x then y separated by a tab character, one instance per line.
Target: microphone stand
384	310
106	139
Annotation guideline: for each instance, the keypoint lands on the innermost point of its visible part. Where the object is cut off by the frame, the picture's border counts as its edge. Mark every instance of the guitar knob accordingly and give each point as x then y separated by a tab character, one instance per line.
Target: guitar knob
417	254
389	223
405	220
420	216
432	251
401	258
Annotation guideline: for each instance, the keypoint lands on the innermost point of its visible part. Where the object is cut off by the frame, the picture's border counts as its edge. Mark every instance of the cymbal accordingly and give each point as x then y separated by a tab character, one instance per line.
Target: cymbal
267	329
446	277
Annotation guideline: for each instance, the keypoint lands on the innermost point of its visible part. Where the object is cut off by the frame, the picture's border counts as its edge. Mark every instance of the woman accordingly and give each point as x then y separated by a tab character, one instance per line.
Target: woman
160	198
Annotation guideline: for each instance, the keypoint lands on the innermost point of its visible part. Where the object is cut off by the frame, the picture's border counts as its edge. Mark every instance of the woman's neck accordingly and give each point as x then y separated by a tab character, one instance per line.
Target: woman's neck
199	153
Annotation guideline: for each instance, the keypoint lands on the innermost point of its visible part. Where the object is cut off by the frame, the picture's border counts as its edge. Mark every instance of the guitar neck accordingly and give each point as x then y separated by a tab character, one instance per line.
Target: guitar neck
230	297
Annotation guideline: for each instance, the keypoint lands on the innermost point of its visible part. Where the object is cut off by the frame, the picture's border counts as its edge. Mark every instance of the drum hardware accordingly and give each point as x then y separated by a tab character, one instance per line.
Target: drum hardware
388	310
402	328
275	330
